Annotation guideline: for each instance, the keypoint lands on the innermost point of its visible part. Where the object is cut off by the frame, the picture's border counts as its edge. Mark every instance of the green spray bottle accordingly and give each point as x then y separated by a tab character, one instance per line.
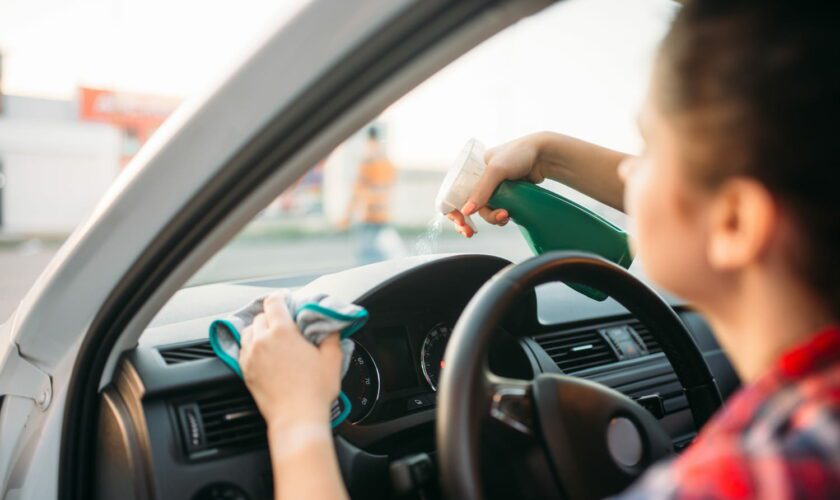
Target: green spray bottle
547	220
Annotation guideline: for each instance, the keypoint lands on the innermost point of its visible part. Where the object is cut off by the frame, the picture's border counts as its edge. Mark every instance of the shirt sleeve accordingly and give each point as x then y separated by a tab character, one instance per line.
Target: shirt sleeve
726	475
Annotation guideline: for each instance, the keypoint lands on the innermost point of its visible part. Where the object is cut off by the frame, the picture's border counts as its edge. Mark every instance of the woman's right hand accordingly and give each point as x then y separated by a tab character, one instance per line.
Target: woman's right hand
514	160
292	381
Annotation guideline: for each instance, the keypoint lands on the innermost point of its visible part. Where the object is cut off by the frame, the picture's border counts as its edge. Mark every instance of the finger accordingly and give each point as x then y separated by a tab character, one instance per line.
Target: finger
465	230
259	329
482	192
457	217
330	346
460	223
493	216
246	336
331	354
276	312
260	322
501	215
486	213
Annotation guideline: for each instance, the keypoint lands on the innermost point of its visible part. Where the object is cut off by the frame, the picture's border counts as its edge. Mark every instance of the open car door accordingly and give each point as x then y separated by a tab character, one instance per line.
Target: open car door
206	172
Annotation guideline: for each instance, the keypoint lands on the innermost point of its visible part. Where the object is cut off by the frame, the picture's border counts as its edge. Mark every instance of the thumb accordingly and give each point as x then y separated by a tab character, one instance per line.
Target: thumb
331	356
482	192
276	311
331	353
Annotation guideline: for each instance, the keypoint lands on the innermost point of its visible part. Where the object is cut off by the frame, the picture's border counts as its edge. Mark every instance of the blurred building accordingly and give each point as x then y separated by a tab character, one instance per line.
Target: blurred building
136	116
57	157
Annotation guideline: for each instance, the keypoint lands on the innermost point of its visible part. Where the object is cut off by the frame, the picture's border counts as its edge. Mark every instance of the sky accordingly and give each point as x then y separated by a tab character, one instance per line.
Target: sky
580	67
168	47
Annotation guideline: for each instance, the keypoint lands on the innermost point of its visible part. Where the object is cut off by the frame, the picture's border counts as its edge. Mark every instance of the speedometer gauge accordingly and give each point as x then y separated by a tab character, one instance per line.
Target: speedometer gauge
361	384
431	355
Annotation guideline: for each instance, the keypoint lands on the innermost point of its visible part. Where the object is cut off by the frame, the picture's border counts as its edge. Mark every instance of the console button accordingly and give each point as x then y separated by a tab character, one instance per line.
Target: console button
653	403
420	401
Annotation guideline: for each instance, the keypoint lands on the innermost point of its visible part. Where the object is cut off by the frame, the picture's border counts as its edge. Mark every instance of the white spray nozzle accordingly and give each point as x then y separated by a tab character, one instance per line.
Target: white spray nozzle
461	179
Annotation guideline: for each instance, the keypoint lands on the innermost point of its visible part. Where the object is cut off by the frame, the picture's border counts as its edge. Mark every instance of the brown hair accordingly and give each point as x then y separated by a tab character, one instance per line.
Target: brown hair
760	82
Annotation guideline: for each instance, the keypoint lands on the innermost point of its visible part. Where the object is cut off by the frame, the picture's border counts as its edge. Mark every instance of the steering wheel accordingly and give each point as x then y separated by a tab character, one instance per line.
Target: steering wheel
595	439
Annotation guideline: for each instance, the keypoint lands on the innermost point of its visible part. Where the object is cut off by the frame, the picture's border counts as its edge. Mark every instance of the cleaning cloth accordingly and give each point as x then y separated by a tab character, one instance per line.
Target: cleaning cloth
317	317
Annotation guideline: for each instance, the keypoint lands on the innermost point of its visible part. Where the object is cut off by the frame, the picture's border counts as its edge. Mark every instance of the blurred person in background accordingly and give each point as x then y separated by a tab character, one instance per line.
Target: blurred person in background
371	203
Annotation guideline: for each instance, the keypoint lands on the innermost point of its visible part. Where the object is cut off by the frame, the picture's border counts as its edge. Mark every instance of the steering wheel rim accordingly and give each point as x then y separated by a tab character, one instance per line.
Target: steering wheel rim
463	397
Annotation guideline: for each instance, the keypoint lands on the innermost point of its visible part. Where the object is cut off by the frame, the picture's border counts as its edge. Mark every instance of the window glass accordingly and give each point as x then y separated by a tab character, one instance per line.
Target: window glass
579	68
83	86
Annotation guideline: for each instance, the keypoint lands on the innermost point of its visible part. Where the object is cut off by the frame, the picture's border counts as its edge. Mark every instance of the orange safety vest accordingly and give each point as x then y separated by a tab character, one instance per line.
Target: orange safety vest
373	189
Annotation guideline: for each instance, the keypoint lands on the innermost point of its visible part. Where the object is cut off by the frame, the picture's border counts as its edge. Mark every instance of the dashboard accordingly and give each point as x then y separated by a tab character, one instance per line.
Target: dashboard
410	354
176	423
397	362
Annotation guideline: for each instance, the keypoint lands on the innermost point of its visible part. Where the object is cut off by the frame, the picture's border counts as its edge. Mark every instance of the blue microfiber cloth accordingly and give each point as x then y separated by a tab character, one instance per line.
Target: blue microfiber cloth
317	317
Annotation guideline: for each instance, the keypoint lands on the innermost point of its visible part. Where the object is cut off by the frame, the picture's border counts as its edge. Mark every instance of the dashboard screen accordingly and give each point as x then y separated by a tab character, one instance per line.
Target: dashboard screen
392	353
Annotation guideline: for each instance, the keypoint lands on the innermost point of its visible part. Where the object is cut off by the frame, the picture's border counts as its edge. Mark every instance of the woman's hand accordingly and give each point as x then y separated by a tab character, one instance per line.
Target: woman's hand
292	381
586	167
294	384
514	160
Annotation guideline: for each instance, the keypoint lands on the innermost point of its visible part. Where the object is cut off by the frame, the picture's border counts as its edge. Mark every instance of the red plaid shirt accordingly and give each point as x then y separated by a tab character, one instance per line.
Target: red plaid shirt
776	438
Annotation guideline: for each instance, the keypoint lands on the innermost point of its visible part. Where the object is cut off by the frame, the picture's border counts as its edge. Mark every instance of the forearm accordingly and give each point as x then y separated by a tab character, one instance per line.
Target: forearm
585	167
304	463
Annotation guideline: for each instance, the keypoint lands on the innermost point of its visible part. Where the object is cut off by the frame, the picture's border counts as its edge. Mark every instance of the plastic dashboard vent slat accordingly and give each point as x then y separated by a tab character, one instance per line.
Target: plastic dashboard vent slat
577	349
647	337
230	424
187	352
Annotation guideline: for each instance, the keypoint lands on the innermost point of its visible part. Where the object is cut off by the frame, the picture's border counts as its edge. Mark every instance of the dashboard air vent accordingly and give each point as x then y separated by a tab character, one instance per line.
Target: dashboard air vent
187	352
221	424
647	337
575	350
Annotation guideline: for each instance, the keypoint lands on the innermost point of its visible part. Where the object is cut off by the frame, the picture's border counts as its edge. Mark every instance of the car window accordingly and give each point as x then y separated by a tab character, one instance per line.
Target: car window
579	68
83	86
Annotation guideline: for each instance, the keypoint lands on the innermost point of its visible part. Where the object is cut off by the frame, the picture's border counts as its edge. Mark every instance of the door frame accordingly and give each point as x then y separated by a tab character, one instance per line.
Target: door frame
422	38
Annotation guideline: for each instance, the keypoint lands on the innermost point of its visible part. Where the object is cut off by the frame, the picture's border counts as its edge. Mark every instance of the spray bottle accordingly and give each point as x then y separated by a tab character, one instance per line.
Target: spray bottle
547	220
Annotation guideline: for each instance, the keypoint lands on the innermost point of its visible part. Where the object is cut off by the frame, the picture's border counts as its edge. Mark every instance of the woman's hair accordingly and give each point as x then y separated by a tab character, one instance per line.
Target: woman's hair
758	81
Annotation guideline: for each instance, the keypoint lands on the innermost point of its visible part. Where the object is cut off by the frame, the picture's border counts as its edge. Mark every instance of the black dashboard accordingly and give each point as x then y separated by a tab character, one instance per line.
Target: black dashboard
176	423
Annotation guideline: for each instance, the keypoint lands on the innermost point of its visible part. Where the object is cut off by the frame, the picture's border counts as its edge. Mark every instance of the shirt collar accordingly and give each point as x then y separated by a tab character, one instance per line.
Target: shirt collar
806	359
818	352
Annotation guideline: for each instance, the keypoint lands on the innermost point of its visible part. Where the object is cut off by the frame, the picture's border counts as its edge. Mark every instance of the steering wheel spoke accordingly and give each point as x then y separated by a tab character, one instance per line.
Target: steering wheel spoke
511	402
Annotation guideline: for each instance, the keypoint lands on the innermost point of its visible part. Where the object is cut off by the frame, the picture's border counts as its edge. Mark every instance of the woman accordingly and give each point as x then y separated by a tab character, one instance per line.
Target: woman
733	209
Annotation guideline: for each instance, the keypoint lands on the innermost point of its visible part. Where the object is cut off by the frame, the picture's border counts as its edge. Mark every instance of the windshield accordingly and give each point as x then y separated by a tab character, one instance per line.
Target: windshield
572	69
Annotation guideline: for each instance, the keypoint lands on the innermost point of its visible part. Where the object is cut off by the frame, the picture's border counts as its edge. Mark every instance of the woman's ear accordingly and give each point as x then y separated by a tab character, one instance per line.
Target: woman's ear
743	219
